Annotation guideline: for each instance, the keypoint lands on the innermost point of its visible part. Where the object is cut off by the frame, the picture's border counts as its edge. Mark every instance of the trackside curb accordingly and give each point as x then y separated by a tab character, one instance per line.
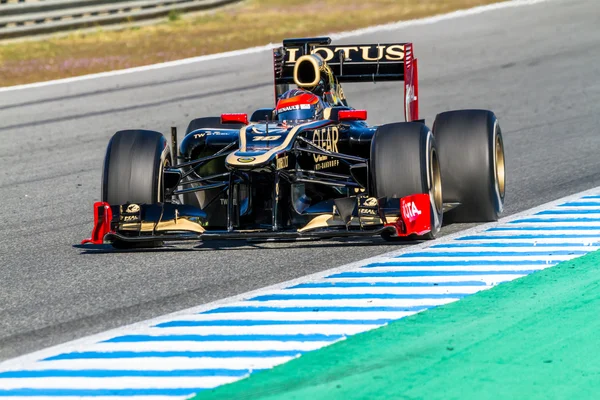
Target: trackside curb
533	338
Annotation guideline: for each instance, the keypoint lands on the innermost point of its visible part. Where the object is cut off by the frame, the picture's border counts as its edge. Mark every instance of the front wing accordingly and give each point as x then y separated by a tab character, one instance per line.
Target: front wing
145	223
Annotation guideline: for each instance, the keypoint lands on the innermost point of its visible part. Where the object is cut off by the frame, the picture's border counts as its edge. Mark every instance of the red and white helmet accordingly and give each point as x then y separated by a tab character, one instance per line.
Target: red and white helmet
297	105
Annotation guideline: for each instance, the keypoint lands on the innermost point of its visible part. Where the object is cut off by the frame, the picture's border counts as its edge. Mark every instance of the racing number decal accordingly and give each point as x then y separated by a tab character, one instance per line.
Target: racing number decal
265	138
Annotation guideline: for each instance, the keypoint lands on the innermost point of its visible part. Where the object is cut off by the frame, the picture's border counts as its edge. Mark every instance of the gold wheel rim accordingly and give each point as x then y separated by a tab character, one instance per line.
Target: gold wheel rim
436	182
500	172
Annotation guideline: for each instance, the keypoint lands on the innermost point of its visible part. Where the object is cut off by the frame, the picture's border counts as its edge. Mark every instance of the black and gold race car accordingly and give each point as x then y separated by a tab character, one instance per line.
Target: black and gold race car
309	167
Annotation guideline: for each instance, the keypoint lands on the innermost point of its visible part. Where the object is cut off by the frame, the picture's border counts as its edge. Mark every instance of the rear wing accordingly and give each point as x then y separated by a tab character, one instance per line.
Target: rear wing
381	62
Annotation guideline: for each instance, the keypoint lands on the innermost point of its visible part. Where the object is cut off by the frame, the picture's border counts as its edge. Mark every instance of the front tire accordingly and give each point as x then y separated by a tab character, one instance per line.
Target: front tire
404	161
472	159
133	171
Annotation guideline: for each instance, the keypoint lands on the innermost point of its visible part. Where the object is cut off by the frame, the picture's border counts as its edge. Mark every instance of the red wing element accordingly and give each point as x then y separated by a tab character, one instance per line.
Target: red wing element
102	220
235	118
352	115
411	85
415	216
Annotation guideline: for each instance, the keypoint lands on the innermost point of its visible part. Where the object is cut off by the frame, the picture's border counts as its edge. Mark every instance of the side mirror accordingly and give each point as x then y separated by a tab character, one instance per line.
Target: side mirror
234	119
352	115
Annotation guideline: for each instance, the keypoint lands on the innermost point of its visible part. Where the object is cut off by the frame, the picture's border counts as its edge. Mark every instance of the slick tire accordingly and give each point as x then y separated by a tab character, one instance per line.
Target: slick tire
133	171
471	153
404	161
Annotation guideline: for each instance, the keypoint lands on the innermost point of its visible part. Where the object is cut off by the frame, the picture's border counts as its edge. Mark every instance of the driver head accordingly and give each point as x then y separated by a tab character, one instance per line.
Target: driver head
298	106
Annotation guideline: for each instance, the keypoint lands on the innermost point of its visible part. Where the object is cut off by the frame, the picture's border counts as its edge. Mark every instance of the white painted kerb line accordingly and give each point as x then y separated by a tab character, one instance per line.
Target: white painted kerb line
204	347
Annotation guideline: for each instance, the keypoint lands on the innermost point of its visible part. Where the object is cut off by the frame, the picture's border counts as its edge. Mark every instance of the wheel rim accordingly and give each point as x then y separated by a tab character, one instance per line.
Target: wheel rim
436	182
499	166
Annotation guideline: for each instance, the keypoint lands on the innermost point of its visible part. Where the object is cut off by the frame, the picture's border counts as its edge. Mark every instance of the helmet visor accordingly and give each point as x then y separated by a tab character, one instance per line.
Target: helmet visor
297	113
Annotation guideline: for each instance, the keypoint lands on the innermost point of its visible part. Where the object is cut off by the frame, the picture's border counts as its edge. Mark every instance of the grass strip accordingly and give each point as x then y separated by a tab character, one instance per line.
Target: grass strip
248	24
532	338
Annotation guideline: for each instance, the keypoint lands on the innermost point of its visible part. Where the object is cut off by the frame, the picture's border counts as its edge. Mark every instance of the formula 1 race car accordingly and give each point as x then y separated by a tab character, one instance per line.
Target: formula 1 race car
309	167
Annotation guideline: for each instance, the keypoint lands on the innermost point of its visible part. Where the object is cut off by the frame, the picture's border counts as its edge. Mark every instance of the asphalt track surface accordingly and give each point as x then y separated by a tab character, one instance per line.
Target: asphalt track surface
536	66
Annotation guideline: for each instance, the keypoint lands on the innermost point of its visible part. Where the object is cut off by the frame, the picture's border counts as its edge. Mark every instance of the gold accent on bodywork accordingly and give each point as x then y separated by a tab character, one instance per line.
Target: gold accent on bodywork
316	61
353	53
365	53
133	208
136	226
282	162
265	138
178	224
371	202
330	220
262	158
322	221
316	66
327	139
147	226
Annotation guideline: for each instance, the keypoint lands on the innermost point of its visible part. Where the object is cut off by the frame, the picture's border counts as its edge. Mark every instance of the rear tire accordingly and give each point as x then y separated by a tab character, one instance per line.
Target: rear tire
471	152
133	171
404	161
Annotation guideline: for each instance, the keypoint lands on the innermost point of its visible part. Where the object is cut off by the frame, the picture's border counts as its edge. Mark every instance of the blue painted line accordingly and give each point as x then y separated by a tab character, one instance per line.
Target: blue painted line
546	228
574	212
110	373
493	254
223	338
552	220
520	237
460	259
93	355
98	392
457	263
356	296
582	204
515	244
400	274
383	284
249	322
591	196
242	309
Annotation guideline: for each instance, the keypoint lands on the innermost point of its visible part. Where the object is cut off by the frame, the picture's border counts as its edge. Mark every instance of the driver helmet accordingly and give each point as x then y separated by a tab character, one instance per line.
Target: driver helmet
298	106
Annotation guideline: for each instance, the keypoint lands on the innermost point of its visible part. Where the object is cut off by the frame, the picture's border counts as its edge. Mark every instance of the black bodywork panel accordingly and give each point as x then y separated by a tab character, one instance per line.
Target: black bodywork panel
264	177
306	167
